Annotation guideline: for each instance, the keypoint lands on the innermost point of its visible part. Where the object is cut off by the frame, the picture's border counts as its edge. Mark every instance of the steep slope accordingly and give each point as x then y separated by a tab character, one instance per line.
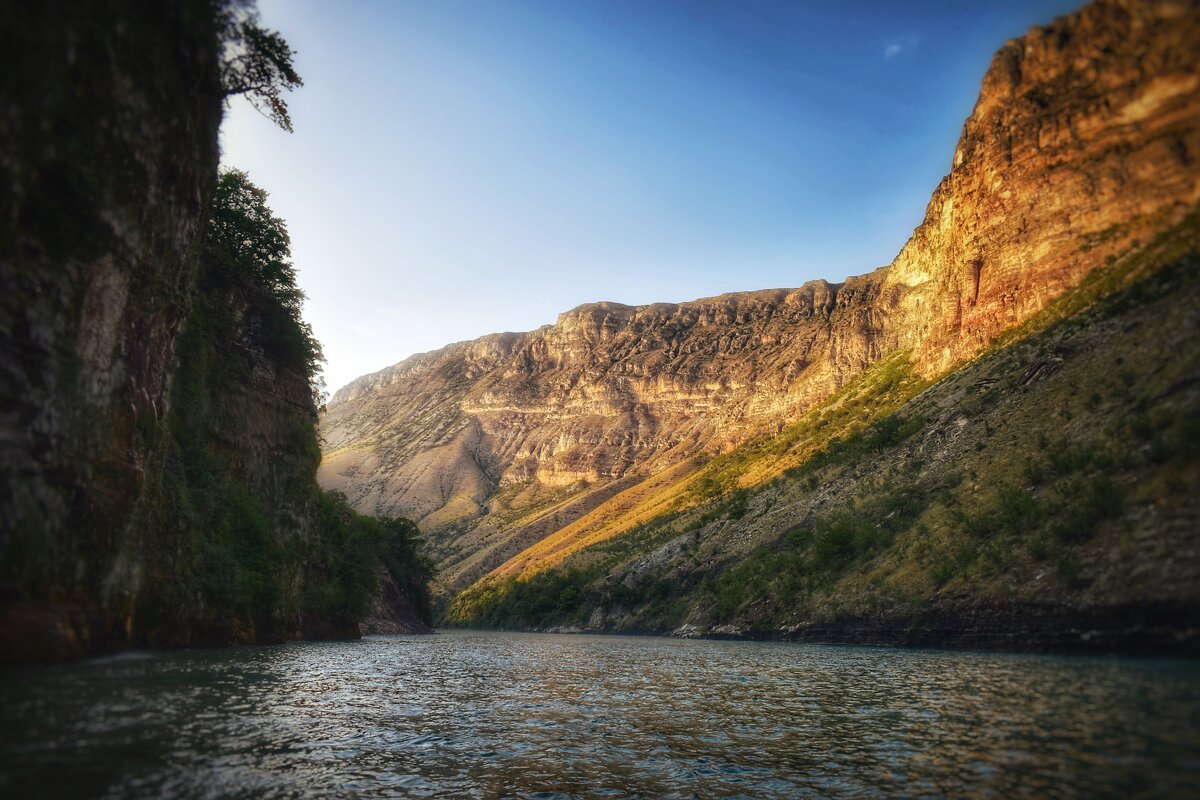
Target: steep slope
1084	140
232	540
606	391
1083	143
108	147
1046	495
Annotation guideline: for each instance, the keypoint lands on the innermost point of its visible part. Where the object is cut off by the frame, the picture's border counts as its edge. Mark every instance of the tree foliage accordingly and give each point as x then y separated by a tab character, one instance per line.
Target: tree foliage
255	62
245	240
343	563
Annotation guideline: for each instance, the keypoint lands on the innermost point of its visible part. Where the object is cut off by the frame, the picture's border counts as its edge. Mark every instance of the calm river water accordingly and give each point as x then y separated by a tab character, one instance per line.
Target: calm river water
465	714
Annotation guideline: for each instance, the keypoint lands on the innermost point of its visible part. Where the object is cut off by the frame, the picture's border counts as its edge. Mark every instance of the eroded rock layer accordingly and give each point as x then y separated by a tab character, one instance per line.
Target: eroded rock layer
1084	141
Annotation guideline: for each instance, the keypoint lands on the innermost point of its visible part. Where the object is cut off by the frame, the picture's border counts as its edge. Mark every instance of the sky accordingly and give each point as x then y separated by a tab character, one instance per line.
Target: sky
463	168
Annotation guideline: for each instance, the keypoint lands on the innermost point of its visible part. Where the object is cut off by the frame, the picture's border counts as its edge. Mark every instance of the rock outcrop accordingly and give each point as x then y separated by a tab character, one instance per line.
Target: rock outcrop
1084	141
606	390
1043	496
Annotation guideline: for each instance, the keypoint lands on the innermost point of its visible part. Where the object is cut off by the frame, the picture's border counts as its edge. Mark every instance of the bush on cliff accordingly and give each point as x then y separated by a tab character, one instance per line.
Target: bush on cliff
344	561
246	243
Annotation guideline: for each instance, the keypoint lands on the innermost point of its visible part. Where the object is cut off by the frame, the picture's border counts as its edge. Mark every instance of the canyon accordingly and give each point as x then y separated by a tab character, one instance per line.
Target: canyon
517	450
990	438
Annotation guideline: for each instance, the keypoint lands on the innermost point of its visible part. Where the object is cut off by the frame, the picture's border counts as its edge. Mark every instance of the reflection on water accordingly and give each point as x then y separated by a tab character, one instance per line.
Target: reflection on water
488	714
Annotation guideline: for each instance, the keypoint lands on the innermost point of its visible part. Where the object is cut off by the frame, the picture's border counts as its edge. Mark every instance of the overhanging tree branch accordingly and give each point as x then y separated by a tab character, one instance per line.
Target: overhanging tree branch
256	62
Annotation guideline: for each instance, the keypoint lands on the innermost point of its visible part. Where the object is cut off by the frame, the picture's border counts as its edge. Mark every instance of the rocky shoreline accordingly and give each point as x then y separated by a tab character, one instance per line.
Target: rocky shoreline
1126	630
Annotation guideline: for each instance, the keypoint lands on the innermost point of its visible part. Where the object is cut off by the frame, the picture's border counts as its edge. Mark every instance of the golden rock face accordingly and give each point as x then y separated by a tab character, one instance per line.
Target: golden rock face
1085	141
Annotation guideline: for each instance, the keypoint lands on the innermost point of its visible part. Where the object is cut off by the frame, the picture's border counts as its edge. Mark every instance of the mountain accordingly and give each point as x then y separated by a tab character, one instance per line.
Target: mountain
520	453
1043	496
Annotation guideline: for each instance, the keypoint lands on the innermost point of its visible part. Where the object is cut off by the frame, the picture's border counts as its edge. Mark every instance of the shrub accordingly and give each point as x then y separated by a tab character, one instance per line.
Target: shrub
342	566
1086	506
1018	509
1034	472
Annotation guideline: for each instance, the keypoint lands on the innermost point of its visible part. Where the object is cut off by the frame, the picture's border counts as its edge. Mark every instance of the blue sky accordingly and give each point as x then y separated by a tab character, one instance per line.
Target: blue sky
461	168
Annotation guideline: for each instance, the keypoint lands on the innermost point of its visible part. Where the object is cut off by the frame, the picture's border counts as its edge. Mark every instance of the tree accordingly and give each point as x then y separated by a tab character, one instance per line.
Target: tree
244	239
255	62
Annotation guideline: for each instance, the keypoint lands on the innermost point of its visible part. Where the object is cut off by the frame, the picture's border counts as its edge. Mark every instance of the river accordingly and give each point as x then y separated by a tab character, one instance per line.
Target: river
469	714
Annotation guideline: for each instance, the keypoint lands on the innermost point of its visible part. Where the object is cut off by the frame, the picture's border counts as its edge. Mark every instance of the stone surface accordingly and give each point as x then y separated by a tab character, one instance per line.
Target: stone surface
1084	141
392	611
108	147
131	383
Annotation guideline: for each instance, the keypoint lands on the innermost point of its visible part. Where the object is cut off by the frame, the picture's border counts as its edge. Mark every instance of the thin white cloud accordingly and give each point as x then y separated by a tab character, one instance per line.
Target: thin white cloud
899	46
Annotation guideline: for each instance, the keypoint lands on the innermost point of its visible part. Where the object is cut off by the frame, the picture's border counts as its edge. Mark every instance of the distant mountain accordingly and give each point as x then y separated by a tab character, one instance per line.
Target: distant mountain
634	437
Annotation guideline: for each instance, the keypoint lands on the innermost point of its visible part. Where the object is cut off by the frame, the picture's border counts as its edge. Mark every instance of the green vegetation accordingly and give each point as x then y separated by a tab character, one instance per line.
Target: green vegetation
812	557
557	597
174	499
1041	472
862	416
266	549
884	434
247	247
255	62
348	551
546	599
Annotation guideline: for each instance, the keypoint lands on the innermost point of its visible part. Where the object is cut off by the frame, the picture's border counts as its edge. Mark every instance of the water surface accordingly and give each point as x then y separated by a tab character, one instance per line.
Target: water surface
491	714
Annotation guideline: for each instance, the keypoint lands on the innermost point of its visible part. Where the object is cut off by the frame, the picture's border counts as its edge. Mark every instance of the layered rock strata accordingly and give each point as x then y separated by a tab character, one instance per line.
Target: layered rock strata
1084	142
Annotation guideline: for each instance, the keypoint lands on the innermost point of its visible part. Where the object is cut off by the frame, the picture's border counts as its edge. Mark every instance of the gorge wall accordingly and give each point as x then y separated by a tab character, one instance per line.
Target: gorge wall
1083	144
157	427
108	146
1084	140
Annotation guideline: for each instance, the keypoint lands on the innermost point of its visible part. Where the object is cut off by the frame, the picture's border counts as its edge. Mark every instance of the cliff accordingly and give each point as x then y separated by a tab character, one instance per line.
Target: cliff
157	435
606	390
1082	145
1042	497
109	150
1083	142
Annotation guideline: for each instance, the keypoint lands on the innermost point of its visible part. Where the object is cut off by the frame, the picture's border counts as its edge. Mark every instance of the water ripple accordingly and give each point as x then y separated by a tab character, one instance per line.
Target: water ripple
487	715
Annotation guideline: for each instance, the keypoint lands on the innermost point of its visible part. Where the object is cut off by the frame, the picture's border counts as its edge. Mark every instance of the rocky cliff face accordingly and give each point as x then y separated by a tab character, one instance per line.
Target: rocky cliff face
157	427
108	144
606	390
214	549
1084	141
1042	496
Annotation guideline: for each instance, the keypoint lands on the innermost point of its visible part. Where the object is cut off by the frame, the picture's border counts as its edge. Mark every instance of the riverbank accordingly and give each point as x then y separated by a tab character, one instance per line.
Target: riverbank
1127	630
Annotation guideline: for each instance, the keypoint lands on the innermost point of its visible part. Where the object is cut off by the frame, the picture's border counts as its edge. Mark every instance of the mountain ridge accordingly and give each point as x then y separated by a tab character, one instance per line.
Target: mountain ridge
347	392
1041	497
1080	148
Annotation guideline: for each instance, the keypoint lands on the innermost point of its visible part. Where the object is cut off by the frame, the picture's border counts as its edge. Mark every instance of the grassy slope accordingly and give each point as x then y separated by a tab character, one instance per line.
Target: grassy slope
1057	469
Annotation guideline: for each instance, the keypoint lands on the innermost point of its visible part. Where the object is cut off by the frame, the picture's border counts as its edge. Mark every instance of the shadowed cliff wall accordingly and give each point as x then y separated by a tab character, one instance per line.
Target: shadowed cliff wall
157	428
108	148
